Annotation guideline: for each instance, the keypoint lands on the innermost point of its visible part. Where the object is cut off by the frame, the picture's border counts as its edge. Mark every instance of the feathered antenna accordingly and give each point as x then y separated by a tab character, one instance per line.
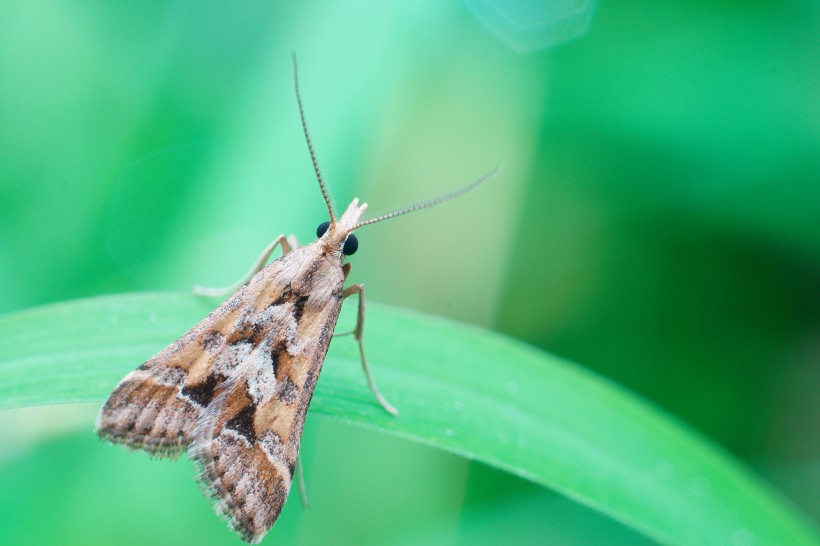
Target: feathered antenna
430	202
310	143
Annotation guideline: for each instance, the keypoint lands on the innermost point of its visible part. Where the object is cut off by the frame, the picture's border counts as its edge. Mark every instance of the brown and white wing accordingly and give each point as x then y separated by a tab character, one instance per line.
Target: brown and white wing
246	442
156	407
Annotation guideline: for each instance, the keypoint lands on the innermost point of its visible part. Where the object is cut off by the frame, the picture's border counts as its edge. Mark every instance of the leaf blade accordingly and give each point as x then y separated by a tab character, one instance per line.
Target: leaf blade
458	388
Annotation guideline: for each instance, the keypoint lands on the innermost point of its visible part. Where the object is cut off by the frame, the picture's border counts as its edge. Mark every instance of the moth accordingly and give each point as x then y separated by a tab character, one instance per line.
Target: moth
234	390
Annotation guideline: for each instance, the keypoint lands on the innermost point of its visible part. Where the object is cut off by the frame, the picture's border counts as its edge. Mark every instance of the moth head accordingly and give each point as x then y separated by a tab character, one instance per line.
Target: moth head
338	234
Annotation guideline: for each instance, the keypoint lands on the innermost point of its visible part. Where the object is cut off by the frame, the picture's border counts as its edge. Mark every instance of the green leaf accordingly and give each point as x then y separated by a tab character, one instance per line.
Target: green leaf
458	388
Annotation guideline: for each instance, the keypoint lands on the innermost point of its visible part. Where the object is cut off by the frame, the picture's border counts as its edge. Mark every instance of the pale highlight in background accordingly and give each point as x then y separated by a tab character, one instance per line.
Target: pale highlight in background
532	25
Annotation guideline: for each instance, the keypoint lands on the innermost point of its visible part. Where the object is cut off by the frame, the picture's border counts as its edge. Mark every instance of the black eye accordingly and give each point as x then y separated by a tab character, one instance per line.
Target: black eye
351	245
322	228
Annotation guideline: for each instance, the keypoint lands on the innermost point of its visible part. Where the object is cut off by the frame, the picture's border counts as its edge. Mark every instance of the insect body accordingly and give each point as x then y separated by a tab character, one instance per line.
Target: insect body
234	390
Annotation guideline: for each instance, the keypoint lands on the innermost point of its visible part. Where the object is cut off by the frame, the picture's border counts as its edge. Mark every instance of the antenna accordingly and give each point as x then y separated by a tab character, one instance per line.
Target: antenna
310	143
430	202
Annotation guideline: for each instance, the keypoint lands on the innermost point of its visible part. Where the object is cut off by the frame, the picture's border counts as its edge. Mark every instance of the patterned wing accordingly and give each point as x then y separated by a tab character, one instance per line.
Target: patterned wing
156	407
246	441
236	388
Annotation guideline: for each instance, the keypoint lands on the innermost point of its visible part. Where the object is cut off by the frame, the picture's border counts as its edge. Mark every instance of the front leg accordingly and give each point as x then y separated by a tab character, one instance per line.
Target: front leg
357	334
258	266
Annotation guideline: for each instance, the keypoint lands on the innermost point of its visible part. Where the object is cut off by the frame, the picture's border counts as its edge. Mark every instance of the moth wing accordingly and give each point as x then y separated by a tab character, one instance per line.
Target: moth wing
245	467
155	408
246	442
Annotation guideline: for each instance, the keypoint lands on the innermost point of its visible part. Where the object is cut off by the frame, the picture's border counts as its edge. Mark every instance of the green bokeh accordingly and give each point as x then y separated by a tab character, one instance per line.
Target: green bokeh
657	220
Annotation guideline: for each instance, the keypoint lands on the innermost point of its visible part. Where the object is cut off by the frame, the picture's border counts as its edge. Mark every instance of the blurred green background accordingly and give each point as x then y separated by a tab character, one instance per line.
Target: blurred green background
657	220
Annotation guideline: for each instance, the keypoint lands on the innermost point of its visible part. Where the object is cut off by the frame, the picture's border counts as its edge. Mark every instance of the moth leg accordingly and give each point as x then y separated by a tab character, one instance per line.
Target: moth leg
346	271
300	481
293	243
258	266
357	334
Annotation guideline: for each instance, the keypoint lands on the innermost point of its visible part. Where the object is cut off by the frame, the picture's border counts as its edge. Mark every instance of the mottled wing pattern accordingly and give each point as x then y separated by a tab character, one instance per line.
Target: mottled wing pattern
236	388
246	441
156	407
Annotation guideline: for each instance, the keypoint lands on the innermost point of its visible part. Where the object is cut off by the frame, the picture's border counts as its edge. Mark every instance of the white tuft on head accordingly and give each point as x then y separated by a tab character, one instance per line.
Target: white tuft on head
352	215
